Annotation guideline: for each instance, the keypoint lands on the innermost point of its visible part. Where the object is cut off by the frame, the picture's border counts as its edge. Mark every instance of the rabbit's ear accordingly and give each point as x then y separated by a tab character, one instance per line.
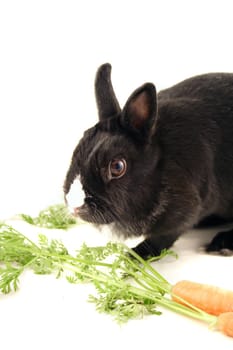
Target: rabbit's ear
140	111
105	97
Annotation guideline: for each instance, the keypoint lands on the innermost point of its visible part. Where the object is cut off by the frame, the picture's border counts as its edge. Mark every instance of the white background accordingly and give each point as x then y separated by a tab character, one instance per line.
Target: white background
49	53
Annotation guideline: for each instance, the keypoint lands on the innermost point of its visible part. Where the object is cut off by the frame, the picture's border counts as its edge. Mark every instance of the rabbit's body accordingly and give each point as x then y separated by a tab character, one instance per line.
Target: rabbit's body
162	164
201	108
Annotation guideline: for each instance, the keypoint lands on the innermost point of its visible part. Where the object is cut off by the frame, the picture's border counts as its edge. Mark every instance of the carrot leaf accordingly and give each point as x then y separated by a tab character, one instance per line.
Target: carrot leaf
126	287
53	217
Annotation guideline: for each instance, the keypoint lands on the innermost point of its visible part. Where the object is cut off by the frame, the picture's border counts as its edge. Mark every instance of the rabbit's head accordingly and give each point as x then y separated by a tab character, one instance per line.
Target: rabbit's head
117	160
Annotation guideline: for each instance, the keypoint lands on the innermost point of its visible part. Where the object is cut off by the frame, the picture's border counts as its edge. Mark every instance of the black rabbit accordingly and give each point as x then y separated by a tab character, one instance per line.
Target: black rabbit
160	165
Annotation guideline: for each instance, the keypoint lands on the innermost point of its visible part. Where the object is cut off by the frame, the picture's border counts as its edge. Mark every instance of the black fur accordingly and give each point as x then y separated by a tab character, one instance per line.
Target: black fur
178	146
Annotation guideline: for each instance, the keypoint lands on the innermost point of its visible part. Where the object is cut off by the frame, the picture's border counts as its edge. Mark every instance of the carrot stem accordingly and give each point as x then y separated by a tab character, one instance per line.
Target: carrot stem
129	278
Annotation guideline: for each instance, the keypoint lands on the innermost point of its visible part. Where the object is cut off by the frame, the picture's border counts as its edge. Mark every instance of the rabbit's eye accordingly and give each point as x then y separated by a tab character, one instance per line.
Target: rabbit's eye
117	168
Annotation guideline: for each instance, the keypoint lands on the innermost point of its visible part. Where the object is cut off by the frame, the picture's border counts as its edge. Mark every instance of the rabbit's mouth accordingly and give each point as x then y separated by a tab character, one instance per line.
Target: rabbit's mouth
92	213
127	228
87	207
101	210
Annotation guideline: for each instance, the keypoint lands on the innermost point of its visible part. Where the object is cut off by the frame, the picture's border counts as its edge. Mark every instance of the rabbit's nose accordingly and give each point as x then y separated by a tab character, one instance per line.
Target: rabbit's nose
76	211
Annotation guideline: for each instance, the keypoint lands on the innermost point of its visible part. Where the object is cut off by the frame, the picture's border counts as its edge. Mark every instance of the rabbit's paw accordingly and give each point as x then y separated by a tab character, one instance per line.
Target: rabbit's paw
221	244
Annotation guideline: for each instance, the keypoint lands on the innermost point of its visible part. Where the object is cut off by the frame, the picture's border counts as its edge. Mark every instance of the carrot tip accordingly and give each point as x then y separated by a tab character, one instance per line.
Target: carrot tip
225	323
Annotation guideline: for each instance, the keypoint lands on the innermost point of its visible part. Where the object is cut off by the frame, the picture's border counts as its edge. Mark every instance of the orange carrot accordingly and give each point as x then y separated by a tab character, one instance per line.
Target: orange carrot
213	300
225	323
